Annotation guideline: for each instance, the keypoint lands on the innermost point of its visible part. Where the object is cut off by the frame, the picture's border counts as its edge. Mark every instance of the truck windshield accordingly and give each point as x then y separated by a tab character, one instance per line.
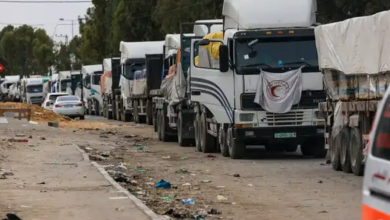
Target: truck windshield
276	53
34	88
65	83
130	69
96	78
381	145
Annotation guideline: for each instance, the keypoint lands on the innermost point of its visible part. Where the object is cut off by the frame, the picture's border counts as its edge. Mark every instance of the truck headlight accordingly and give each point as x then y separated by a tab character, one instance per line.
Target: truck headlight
247	117
318	115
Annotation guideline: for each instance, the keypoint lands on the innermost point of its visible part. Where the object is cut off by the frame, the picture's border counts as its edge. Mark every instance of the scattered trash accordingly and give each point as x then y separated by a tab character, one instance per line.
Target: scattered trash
211	156
187	201
131	136
17	140
140	193
139	147
221	187
20	135
166	157
105	154
193	174
41	183
183	158
4	173
120	177
236	175
186	184
103	136
319	181
53	124
30	137
88	148
121	166
134	182
11	216
205	181
43	191
149	183
42	138
213	212
163	184
221	198
322	212
31	145
183	171
96	157
166	198
233	203
140	171
250	184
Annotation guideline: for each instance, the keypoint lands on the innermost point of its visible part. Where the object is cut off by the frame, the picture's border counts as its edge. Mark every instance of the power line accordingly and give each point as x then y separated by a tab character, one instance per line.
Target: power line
47	1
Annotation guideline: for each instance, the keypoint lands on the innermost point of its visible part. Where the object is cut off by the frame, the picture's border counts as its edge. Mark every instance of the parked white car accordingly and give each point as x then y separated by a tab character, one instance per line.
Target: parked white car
50	99
70	106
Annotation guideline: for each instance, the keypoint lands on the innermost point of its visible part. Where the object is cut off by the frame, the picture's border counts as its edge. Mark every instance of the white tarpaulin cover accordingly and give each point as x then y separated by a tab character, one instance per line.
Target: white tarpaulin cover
139	83
278	92
253	14
173	87
355	46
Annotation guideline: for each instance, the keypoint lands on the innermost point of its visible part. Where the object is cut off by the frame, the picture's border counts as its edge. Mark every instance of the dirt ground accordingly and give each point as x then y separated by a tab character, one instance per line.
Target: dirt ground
262	187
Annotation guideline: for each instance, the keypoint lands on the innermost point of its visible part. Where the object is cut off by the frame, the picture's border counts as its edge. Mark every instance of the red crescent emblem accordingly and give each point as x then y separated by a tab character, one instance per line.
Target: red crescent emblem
273	88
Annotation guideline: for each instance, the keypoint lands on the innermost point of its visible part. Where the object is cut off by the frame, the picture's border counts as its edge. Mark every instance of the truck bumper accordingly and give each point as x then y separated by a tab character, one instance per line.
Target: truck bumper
275	135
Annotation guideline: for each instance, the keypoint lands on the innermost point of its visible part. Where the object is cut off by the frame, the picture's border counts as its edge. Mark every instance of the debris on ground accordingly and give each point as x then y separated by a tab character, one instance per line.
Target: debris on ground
131	136
187	201
4	173
95	157
54	124
163	184
11	216
42	138
166	157
205	181
211	156
236	175
17	140
182	171
119	176
140	147
20	135
221	198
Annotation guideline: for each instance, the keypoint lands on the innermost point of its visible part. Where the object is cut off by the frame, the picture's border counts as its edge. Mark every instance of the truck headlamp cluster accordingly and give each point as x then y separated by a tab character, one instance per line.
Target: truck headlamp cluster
246	117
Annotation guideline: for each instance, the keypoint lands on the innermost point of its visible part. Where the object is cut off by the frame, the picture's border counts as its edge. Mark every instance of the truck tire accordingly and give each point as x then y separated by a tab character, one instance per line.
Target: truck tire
182	142
135	111
344	150
110	115
356	152
89	107
119	111
197	136
236	148
97	108
164	125
149	112
334	151
207	141
158	125
224	148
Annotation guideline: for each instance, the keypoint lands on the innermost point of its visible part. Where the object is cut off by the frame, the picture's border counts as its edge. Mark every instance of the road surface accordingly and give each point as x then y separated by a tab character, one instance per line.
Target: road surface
264	186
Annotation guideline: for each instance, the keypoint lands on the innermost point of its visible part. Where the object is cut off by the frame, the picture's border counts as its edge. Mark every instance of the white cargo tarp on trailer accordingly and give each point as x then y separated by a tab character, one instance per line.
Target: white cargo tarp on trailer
355	46
134	50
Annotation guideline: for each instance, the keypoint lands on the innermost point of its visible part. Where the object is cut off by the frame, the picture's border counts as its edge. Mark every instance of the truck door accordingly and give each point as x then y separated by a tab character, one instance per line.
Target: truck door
209	86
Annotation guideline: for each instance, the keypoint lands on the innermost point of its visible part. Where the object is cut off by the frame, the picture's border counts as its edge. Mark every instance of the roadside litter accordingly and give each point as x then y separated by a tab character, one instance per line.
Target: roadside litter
187	201
4	173
211	156
163	184
205	181
221	198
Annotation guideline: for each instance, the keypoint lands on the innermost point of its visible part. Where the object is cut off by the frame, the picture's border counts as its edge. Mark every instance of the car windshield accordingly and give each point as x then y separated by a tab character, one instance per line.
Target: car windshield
131	68
274	53
34	88
96	78
67	98
381	145
53	98
65	83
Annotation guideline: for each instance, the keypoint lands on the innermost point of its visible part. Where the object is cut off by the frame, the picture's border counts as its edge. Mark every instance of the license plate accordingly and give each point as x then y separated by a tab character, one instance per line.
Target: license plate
68	106
285	135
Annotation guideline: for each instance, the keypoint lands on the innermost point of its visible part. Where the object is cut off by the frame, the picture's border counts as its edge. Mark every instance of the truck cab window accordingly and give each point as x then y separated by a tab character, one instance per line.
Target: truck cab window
208	56
87	82
131	68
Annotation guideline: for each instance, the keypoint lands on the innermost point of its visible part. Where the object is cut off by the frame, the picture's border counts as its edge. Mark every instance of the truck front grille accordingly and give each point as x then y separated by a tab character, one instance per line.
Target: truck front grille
289	118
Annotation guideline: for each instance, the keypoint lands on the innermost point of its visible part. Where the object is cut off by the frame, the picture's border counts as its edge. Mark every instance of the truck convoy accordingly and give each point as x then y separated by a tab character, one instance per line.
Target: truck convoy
356	77
91	89
134	95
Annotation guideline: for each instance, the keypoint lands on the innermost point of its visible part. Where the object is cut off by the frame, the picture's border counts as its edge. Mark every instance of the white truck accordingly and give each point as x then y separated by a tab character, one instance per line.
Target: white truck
173	114
109	85
258	81
32	91
91	88
133	60
356	77
6	84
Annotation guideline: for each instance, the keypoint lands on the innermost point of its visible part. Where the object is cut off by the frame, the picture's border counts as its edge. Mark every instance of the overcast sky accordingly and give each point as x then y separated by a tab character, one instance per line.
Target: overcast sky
44	15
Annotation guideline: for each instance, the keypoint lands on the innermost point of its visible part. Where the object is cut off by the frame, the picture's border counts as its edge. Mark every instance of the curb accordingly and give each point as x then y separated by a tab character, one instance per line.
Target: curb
138	203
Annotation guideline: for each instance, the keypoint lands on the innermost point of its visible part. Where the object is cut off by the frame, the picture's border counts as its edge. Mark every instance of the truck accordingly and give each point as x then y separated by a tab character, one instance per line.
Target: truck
257	82
31	91
131	101
6	84
356	77
109	85
172	112
91	88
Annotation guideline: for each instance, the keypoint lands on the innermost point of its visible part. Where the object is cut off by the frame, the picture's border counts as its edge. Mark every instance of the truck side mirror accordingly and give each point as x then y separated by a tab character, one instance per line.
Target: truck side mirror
204	42
223	58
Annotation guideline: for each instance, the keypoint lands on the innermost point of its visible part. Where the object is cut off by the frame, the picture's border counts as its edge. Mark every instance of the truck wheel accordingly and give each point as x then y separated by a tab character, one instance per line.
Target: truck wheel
197	136
164	125
97	108
89	107
149	112
182	142
356	152
158	125
236	148
119	111
224	148
207	141
344	150
334	151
